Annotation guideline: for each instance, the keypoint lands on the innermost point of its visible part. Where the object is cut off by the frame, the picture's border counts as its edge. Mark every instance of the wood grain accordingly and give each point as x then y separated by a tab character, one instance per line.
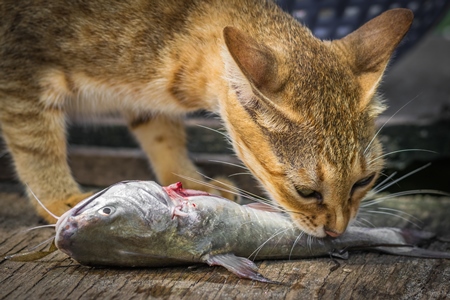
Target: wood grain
362	276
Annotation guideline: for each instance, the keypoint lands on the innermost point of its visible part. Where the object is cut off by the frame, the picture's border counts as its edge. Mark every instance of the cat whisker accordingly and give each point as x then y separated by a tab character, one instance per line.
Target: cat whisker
40	227
390	211
227	137
257	250
371	202
395	215
385	123
243	192
363	222
309	241
404	193
295	243
214	130
41	204
229	163
207	184
233	190
401	212
375	188
242	173
355	222
400	151
40	244
230	140
379	188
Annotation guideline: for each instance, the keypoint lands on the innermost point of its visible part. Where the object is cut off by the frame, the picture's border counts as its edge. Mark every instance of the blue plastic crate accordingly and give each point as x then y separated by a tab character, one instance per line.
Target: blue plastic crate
333	19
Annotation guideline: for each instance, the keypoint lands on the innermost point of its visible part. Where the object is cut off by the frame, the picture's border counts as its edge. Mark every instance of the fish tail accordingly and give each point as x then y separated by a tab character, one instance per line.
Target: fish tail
414	252
415	237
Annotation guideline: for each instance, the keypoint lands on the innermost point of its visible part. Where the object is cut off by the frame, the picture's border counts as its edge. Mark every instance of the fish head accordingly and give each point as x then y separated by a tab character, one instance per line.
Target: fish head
100	229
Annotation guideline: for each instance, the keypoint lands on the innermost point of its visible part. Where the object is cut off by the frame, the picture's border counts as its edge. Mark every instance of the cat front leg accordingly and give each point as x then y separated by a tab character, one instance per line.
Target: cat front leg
35	136
163	138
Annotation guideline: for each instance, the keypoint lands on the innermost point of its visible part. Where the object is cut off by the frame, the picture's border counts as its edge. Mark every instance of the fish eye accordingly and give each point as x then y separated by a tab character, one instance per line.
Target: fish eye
105	211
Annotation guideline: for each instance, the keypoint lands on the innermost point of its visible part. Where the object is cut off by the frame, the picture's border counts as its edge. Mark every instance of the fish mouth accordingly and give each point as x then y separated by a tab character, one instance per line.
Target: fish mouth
68	225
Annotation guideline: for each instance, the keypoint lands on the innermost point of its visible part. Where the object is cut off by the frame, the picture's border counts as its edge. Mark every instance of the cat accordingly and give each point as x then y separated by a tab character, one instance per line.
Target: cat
300	111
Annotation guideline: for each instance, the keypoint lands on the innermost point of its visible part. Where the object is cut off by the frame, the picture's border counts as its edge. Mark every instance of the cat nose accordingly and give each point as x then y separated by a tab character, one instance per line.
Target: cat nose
332	233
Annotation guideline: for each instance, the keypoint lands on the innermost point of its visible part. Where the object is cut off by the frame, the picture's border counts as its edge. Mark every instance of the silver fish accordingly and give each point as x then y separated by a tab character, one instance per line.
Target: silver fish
140	223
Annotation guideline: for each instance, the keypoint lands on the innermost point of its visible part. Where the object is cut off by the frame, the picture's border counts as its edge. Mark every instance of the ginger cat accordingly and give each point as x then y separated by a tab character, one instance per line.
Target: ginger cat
300	111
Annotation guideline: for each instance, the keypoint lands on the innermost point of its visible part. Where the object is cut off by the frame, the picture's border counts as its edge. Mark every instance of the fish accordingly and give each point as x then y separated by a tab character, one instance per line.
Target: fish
142	224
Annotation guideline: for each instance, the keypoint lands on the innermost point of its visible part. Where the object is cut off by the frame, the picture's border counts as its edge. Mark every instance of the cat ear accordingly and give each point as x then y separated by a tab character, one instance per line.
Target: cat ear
369	48
256	61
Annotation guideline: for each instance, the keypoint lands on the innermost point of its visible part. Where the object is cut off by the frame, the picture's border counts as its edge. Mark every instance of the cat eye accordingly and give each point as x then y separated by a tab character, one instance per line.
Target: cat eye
309	194
363	182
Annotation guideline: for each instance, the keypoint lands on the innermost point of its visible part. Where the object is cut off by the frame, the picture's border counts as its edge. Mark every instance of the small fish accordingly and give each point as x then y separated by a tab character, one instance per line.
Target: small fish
141	224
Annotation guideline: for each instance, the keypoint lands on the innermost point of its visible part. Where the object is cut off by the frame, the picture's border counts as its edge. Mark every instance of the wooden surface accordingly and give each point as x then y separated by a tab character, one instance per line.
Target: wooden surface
362	276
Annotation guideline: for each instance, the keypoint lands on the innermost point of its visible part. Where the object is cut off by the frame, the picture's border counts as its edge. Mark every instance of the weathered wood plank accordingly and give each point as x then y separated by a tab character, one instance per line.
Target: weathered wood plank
364	275
103	167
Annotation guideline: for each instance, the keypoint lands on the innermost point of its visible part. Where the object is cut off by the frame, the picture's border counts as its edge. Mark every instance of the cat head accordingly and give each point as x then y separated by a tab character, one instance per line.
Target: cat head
301	115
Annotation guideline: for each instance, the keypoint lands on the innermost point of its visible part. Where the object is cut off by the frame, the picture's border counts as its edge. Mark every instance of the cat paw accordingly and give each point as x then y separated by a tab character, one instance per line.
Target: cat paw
59	207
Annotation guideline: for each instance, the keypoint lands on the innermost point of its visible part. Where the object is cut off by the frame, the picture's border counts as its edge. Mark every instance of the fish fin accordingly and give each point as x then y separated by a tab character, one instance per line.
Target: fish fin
444	239
262	206
52	247
342	254
414	237
240	266
34	255
414	252
28	256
